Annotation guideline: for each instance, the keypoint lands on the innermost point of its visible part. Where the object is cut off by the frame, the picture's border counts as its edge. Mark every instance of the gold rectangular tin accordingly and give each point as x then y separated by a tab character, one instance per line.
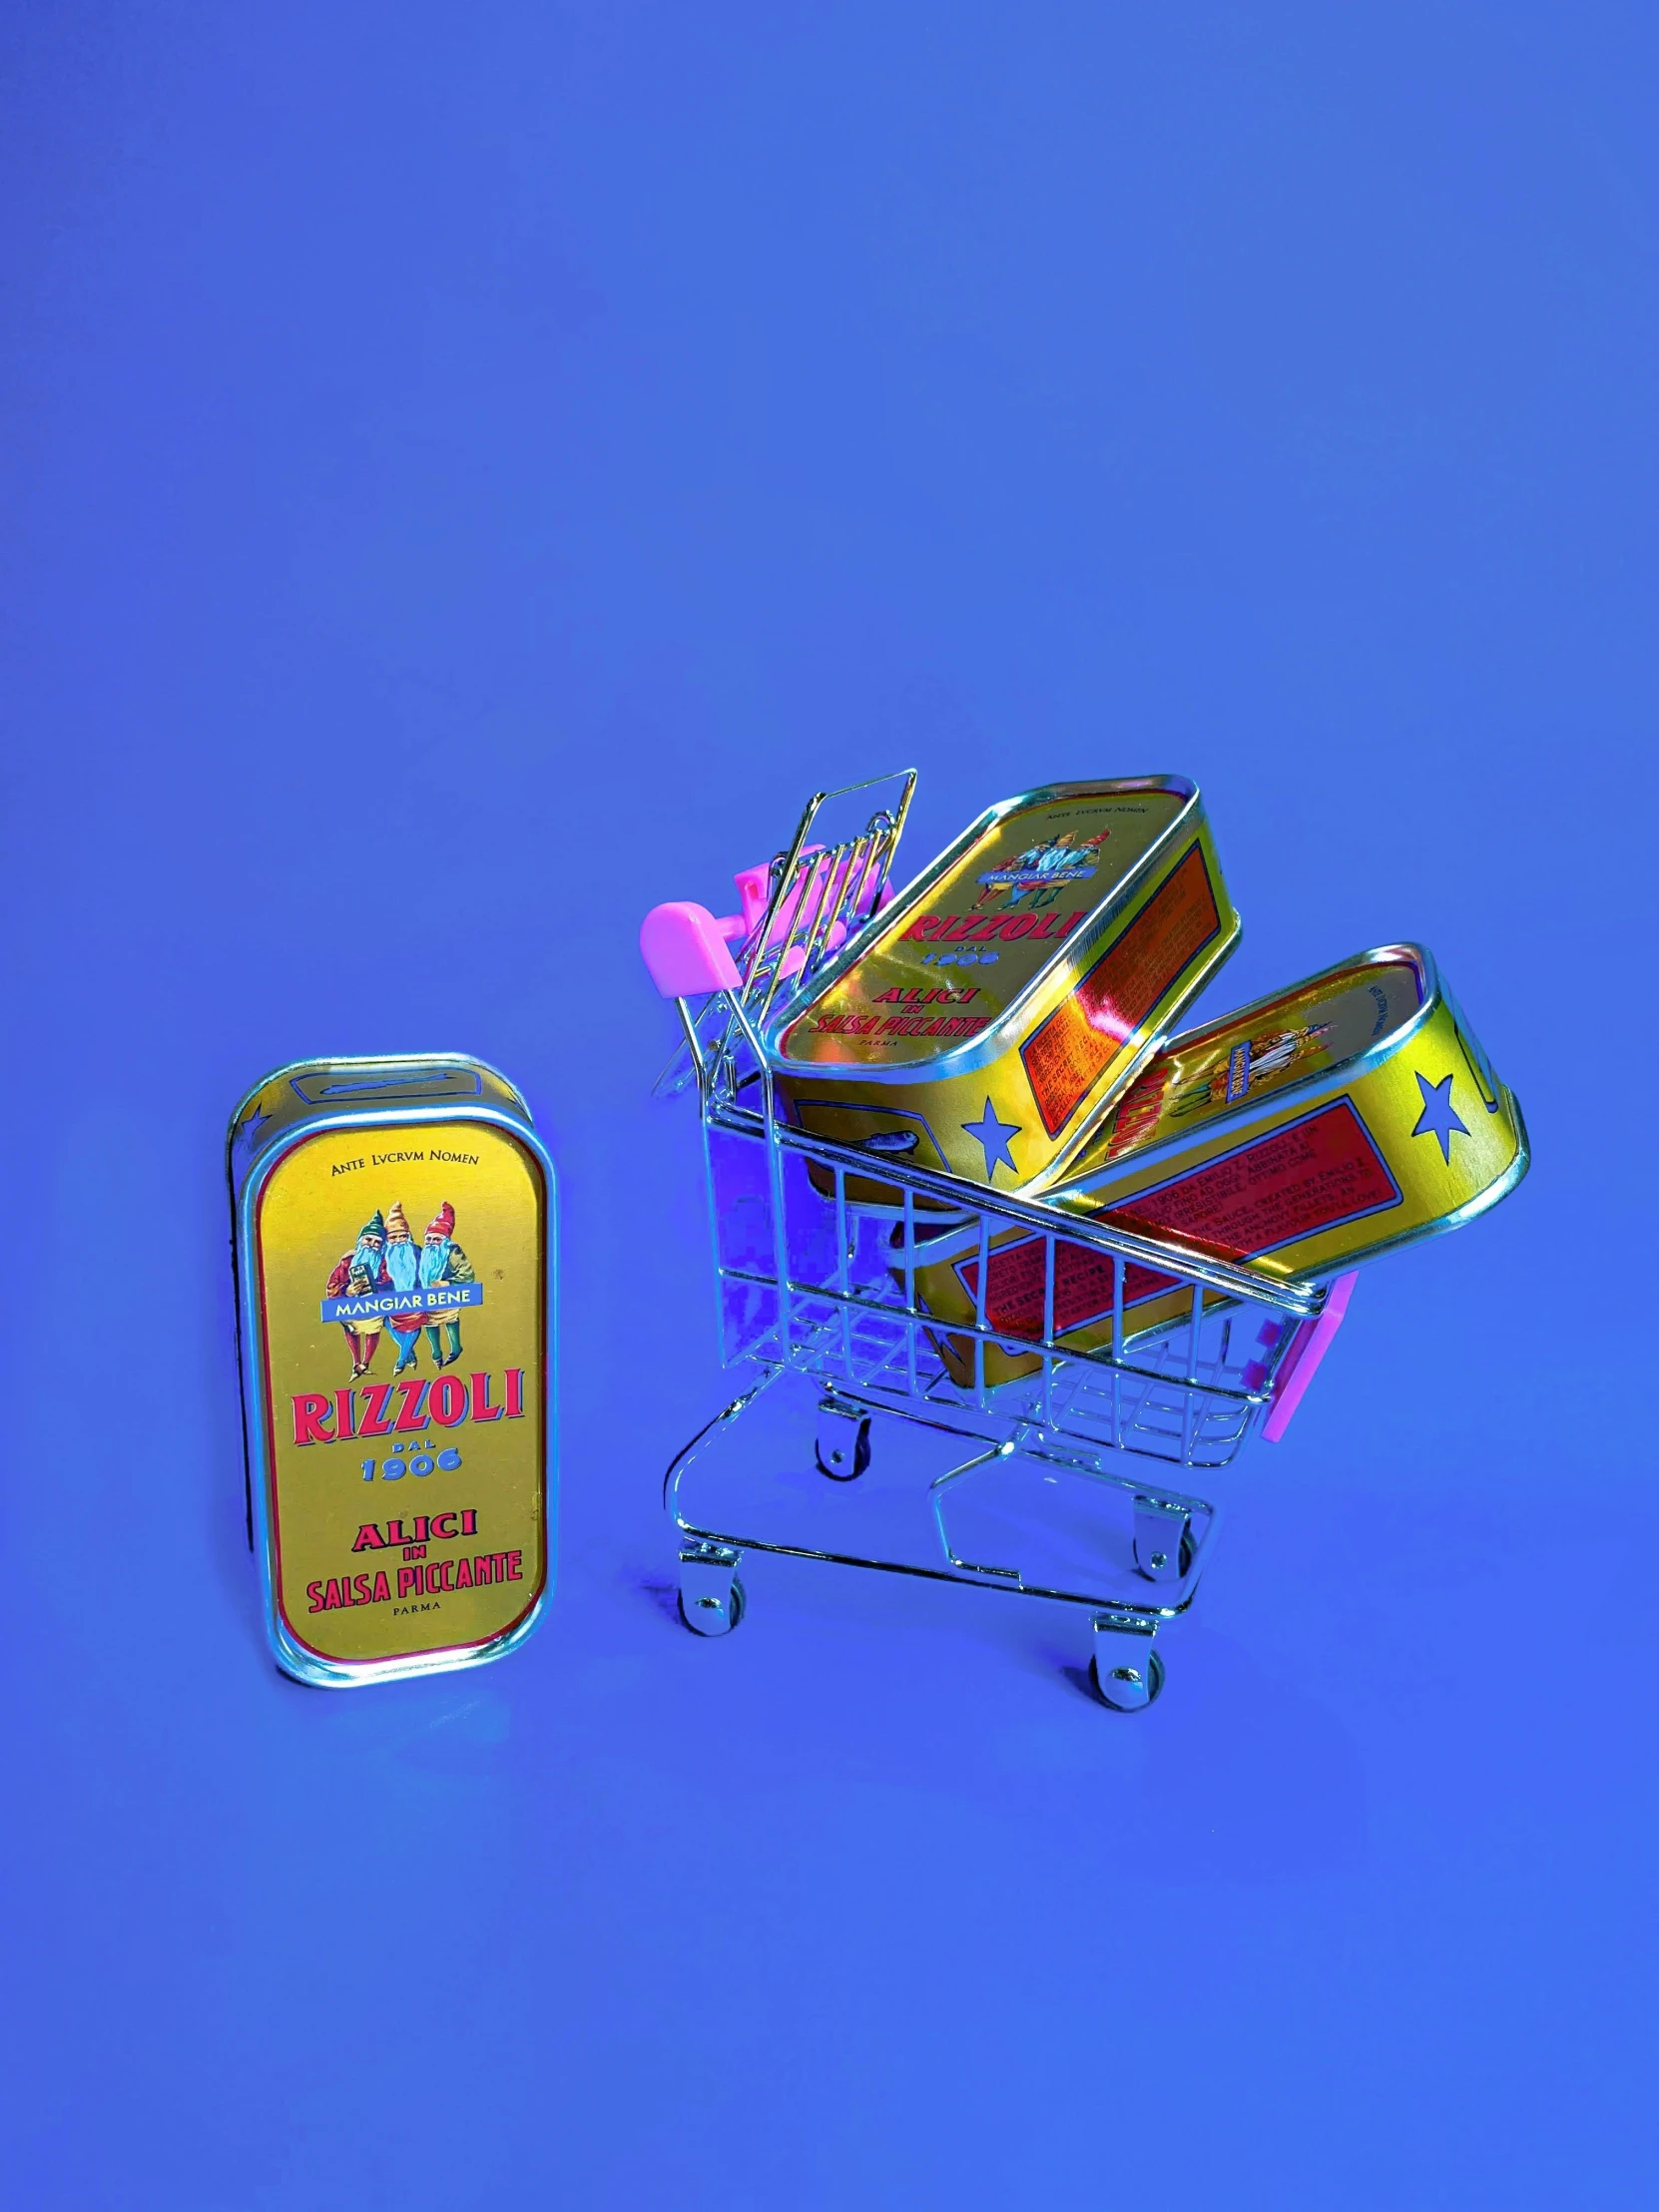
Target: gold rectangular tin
394	1252
1017	987
1298	1136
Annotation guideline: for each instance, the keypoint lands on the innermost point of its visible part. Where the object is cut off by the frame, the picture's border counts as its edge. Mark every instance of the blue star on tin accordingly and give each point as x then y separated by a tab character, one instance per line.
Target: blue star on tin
1439	1117
994	1136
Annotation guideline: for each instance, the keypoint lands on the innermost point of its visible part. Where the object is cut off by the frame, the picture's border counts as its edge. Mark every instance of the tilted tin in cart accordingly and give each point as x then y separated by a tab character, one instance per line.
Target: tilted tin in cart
989	1014
395	1277
1296	1137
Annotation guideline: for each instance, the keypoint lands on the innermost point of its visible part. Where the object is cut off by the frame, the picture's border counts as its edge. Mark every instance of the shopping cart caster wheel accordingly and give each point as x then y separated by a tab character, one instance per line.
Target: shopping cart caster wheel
707	1616
1126	1671
1163	1539
1128	1689
842	1443
711	1595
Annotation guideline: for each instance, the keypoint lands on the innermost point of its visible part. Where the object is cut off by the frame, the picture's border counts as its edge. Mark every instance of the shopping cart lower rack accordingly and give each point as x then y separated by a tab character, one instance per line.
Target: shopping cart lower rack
1079	1466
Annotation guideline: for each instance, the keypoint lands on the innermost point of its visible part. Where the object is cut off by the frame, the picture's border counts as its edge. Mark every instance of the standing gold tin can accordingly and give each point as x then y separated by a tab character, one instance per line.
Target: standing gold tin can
395	1262
999	1004
1298	1136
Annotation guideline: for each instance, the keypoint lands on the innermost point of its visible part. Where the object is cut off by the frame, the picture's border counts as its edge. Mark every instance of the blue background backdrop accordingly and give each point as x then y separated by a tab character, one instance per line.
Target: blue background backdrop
467	472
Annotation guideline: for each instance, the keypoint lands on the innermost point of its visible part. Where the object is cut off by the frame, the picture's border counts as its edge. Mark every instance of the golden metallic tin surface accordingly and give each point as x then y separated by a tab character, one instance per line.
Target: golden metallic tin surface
395	1263
1303	1133
1017	986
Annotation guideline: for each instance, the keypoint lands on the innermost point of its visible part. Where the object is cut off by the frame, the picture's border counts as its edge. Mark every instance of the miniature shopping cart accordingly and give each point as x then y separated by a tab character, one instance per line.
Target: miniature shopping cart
1068	1482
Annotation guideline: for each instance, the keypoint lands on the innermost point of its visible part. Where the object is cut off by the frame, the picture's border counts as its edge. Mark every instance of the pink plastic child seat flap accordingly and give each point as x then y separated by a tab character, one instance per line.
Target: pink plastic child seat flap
755	888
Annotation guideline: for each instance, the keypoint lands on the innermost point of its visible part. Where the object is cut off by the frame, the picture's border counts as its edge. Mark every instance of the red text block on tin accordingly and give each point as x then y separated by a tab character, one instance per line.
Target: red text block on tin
1066	1056
1314	1174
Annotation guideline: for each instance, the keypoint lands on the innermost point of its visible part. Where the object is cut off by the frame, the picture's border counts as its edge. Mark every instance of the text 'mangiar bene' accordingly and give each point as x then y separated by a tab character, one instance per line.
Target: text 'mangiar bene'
434	1298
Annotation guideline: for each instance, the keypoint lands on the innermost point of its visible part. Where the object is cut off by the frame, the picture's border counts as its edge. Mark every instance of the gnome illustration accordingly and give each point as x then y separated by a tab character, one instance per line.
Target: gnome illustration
403	1269
1264	1058
443	1261
357	1273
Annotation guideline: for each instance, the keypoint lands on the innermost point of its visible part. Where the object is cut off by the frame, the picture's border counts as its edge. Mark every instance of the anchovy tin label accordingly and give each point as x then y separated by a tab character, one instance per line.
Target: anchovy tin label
394	1281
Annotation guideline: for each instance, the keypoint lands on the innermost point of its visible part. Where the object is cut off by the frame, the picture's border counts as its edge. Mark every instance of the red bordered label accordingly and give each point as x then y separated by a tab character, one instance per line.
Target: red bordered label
1014	1286
1068	1053
1318	1172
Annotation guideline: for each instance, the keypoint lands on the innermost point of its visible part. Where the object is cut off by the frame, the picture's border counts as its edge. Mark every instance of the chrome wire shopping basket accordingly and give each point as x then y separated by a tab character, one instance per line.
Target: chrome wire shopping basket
1079	1466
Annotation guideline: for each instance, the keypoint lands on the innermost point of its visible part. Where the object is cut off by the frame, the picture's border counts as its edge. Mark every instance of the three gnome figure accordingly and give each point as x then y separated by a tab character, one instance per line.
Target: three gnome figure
386	1258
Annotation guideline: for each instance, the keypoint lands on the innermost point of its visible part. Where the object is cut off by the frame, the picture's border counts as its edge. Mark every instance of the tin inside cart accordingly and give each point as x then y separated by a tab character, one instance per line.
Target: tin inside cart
1071	1480
1306	1133
982	1021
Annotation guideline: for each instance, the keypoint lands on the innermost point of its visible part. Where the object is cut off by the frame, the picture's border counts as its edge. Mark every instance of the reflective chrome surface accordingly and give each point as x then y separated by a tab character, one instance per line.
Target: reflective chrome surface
711	1596
1035	1486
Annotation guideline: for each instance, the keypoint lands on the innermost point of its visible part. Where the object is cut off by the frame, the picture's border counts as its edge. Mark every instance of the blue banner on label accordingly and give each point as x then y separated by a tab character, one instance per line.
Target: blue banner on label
440	1298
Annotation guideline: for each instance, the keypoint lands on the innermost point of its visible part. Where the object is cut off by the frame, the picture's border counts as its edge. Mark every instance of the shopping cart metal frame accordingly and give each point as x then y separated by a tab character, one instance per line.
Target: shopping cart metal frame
815	1283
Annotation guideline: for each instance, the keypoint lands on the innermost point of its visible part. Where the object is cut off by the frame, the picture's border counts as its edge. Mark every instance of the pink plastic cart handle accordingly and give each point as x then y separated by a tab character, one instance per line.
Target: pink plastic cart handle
686	952
754	886
1308	1347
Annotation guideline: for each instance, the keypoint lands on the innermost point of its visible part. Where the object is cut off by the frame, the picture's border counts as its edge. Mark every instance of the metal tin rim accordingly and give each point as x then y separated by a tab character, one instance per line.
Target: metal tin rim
979	1052
1272	1104
291	1657
366	1060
